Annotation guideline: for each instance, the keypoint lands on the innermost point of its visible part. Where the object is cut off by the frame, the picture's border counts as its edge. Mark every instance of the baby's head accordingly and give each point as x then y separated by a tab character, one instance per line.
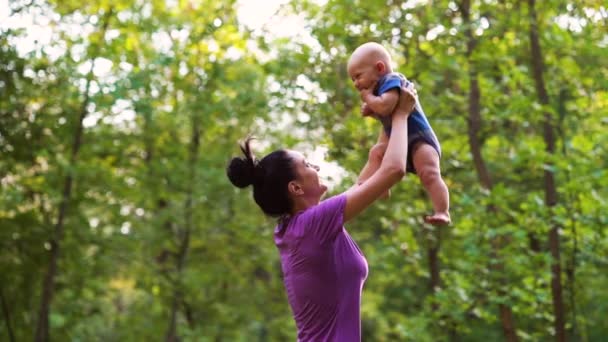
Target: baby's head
367	64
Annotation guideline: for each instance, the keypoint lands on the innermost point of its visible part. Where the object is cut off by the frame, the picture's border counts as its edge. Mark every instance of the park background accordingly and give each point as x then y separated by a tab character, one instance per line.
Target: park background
118	117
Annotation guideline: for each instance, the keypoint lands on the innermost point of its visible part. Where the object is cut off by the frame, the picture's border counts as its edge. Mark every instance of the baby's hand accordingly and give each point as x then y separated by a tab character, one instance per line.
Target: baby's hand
365	94
365	110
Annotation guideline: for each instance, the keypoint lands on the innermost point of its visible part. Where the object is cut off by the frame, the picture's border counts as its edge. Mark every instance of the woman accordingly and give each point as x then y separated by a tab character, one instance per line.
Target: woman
323	268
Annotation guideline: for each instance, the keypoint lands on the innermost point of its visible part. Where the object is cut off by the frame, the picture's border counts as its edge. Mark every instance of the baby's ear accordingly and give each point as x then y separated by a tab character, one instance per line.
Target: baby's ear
380	66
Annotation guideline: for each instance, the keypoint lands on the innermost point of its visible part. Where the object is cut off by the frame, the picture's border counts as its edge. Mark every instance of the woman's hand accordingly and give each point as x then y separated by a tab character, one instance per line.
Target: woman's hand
407	99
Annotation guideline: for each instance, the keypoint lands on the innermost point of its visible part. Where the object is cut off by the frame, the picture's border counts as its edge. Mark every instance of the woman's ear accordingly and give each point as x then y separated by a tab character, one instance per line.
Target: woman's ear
294	188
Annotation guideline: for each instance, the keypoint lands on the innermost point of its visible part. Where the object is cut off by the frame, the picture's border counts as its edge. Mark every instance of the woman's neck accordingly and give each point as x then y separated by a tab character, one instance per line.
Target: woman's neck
302	203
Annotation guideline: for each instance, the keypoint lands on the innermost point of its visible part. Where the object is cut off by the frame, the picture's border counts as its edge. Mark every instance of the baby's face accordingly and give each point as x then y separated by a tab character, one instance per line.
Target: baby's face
363	73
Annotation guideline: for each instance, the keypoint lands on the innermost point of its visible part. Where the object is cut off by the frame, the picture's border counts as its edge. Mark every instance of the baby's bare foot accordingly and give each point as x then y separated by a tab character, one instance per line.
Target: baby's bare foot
438	219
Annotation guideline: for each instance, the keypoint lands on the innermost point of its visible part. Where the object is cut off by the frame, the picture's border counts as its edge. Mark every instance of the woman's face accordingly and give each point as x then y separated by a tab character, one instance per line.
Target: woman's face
307	177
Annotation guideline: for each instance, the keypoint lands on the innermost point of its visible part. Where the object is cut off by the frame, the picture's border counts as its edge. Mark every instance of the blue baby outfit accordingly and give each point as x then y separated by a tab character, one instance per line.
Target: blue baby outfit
418	127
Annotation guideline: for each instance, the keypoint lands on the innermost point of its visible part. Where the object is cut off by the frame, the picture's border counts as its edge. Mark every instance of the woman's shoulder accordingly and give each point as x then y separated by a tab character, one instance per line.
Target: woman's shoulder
319	222
328	206
313	215
326	219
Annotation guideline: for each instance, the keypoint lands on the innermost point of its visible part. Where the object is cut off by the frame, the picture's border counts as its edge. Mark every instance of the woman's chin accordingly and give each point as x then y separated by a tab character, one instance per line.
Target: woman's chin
323	189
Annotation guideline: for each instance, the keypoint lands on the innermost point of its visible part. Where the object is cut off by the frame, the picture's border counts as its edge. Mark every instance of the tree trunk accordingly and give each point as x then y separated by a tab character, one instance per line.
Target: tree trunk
573	206
7	317
433	238
48	288
42	329
434	266
550	189
172	330
184	234
433	255
162	203
474	127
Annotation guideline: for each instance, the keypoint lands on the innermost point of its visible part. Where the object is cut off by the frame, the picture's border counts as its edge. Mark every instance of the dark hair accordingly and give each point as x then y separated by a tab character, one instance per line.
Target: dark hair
268	176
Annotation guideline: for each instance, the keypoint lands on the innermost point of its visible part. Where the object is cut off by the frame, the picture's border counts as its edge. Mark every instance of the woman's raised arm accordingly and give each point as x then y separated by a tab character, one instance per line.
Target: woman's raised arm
393	164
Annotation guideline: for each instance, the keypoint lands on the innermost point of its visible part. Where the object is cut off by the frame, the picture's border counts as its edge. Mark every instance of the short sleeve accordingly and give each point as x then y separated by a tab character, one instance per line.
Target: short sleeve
390	81
325	220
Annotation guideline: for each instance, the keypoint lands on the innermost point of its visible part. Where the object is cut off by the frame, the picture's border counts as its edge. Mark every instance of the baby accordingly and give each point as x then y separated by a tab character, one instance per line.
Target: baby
370	69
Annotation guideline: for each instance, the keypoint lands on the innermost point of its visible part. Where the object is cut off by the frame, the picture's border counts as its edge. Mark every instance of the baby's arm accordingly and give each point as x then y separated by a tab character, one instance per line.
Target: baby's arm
374	163
382	105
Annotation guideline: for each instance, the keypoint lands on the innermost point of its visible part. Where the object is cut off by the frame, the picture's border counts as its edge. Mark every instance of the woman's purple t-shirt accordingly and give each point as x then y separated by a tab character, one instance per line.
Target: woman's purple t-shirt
324	271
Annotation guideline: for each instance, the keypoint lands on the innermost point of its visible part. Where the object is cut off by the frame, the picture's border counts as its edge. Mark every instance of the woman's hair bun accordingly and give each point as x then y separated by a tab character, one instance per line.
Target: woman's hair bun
241	170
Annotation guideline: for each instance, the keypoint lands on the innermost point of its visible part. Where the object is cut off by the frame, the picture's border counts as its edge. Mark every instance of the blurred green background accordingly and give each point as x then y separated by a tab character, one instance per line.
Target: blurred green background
117	119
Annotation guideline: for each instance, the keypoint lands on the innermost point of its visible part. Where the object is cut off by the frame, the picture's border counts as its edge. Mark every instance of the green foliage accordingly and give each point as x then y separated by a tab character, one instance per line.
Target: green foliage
154	230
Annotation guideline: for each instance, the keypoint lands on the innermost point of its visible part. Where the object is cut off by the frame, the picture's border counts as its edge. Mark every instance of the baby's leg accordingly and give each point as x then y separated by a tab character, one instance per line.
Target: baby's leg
426	162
